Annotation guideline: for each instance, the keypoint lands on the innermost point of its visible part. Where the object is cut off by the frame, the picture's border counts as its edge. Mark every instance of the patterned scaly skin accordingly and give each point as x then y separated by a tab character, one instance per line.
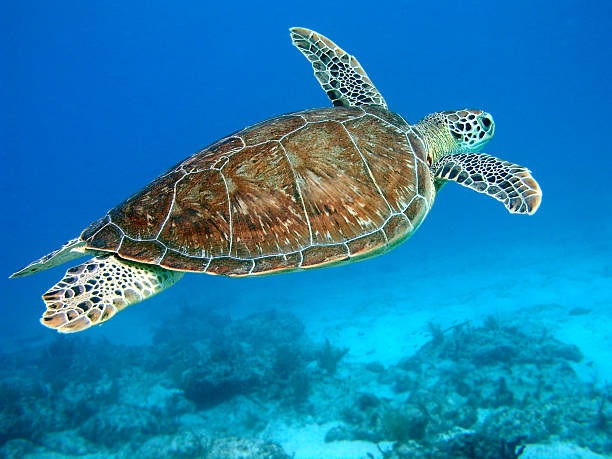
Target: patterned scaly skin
460	131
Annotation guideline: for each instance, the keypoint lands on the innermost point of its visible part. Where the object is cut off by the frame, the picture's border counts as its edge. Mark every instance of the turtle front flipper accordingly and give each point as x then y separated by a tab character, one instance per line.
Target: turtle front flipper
95	291
69	251
340	74
507	182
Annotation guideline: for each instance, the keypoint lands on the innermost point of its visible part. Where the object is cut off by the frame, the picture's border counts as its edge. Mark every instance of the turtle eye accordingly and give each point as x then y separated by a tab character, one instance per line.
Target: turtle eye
487	123
429	159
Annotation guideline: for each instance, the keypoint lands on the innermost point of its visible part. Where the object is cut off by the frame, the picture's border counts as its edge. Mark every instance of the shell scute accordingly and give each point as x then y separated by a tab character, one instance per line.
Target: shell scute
332	113
145	251
272	264
324	255
142	215
199	220
417	210
366	244
338	193
397	229
212	157
389	117
424	183
272	130
267	212
230	266
393	173
94	227
107	238
178	261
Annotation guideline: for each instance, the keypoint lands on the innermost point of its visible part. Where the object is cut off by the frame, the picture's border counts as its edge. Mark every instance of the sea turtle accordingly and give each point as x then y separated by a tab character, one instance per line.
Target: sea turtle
314	188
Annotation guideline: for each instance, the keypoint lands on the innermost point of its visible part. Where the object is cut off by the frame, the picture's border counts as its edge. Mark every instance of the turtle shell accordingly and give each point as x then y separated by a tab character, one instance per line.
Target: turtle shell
301	190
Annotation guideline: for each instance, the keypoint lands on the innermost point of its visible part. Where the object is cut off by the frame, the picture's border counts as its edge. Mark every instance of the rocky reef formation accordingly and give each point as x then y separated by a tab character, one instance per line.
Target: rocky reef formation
472	390
217	388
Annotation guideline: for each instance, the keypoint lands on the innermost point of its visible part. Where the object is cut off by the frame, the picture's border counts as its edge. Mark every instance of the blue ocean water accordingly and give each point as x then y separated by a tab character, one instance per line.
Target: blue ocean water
100	98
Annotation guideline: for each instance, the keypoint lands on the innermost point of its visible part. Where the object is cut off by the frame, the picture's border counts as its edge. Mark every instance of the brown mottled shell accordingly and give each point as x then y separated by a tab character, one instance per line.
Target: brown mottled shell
302	190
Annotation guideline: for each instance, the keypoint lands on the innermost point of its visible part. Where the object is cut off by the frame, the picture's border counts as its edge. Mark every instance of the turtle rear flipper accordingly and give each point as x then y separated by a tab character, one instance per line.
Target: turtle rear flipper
69	251
507	182
95	291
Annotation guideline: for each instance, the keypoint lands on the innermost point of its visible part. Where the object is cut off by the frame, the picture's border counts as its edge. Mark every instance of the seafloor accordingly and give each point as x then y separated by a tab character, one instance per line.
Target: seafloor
403	369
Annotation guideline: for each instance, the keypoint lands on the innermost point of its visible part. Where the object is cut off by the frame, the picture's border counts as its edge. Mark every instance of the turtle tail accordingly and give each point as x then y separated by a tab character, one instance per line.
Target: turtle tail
95	291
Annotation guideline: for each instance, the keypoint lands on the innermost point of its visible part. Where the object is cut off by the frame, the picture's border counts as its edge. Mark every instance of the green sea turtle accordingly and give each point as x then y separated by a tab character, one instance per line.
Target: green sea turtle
304	190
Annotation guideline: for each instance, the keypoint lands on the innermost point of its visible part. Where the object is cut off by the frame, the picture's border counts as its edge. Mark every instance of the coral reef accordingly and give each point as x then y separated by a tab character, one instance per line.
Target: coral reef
497	384
242	448
220	388
329	356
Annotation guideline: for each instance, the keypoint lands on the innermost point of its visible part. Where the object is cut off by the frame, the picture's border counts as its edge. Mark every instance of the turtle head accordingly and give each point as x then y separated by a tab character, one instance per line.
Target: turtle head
471	129
458	131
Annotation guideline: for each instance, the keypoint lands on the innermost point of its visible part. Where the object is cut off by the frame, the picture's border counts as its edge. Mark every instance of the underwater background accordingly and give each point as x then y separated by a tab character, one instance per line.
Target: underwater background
483	333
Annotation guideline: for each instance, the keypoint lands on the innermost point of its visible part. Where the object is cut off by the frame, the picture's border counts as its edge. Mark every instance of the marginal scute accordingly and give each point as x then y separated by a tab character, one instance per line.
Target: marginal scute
416	211
397	229
271	130
145	251
366	244
209	156
94	227
178	261
324	255
220	163
229	266
107	238
417	146
326	114
390	117
294	259
273	264
425	184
